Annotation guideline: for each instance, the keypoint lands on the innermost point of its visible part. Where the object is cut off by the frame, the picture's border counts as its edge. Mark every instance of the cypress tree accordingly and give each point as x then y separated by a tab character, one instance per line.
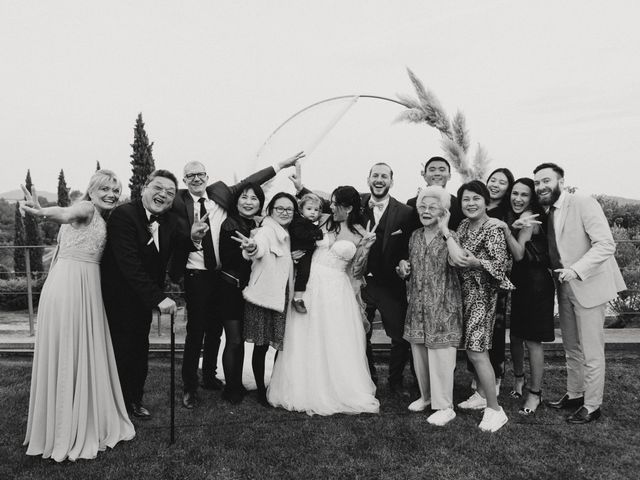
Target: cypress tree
97	165
142	163
63	191
32	234
19	265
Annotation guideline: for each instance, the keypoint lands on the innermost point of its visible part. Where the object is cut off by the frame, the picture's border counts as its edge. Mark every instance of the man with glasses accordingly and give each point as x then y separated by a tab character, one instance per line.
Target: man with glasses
201	270
141	236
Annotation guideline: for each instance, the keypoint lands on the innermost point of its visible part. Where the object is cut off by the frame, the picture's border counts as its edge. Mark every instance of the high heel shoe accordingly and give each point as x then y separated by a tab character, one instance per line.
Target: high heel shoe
526	411
515	393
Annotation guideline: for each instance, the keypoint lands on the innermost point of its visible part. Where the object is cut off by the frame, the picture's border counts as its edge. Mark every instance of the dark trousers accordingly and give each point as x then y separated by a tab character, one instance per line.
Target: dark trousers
303	269
204	327
130	339
392	306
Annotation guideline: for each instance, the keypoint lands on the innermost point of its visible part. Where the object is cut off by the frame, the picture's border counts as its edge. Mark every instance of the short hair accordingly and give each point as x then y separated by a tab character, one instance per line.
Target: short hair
194	162
475	186
379	164
434	191
310	198
257	189
556	168
437	159
100	178
279	195
164	174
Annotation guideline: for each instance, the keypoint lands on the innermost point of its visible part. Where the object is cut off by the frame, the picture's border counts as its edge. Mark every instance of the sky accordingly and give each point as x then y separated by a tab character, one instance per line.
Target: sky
537	81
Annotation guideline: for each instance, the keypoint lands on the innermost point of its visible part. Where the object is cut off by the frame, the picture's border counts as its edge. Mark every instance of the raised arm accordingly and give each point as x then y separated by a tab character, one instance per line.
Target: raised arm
81	212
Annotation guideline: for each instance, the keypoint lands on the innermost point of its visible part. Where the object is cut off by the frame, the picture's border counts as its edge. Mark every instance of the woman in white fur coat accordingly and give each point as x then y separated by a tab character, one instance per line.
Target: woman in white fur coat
267	293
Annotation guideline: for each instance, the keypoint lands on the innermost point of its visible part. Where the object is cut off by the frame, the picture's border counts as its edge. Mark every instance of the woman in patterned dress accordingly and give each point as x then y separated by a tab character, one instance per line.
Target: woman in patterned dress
483	260
433	324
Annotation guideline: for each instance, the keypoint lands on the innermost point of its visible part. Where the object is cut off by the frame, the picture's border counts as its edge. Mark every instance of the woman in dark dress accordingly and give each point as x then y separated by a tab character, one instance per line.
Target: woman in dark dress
532	301
235	271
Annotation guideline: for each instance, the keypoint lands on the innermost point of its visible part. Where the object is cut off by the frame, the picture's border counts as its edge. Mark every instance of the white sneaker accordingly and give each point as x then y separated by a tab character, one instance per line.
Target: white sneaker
441	417
493	420
474	402
419	405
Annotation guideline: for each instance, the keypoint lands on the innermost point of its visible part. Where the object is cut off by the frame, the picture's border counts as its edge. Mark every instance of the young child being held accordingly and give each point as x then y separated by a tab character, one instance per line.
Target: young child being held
304	232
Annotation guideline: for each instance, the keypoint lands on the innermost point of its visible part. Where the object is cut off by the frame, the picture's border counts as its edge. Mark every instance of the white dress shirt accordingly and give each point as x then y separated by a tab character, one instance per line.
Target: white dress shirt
217	215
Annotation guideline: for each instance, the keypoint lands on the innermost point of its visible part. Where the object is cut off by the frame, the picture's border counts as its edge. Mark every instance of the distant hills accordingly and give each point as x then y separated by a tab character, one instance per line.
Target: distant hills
15	195
622	200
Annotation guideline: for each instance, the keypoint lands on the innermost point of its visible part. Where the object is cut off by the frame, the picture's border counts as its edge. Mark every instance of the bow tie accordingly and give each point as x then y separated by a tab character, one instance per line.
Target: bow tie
154	218
379	205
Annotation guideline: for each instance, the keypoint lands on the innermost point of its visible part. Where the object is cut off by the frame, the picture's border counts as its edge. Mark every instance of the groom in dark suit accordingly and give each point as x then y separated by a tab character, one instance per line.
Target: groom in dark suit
384	290
141	236
201	270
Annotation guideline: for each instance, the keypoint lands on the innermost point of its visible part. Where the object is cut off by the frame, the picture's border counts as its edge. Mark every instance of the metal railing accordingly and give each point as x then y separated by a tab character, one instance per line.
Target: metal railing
29	276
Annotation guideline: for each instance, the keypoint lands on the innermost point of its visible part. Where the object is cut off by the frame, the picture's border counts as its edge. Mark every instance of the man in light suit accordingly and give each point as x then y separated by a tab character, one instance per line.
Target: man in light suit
581	249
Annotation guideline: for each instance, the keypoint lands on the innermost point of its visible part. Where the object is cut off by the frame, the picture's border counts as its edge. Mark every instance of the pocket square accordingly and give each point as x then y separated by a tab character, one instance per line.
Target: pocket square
397	232
150	241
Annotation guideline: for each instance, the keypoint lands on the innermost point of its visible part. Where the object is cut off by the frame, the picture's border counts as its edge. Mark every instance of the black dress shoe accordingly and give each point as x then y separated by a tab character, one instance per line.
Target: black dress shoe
566	402
233	396
139	411
212	384
582	415
189	400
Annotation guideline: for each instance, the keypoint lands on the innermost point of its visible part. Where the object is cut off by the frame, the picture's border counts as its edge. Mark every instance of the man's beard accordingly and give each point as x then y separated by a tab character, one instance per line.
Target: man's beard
553	197
384	192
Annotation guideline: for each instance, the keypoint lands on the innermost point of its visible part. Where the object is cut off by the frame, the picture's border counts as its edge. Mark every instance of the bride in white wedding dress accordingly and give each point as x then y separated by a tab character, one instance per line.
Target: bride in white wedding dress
323	366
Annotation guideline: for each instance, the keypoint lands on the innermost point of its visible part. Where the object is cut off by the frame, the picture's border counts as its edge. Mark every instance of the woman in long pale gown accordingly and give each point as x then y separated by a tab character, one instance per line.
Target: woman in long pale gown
76	408
323	366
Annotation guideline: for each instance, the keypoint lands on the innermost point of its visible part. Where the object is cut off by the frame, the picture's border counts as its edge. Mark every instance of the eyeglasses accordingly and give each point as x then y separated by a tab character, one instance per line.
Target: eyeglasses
433	208
169	191
283	210
191	176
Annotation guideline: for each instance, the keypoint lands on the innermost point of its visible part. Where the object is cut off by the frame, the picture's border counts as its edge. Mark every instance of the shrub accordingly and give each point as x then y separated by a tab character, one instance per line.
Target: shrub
13	293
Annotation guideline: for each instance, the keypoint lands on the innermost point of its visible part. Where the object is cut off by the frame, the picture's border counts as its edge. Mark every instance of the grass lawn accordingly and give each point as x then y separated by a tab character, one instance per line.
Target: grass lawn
247	441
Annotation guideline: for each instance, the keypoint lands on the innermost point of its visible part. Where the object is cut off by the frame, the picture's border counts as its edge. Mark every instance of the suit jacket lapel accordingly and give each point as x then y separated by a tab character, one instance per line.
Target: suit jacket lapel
188	204
389	219
143	220
564	211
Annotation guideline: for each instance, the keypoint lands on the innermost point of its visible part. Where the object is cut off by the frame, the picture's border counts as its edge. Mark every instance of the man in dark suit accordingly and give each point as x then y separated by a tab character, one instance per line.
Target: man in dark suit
201	270
437	171
141	236
384	290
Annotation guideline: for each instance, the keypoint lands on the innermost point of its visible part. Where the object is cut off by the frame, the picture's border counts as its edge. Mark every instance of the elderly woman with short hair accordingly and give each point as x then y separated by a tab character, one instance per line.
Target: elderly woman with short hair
433	324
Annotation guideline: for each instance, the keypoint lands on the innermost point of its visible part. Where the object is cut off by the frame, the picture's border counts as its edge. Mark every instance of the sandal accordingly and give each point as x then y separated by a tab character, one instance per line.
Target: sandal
515	393
526	411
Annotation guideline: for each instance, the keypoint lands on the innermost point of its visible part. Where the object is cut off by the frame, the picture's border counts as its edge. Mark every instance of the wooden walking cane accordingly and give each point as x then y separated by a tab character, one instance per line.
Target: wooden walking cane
173	380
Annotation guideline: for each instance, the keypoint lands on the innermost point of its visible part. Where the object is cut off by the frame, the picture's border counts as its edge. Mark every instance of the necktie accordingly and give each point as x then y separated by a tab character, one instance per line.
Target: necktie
207	241
554	254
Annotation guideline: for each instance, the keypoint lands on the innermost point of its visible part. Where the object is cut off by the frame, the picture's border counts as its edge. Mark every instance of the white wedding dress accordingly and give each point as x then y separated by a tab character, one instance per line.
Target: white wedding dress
323	367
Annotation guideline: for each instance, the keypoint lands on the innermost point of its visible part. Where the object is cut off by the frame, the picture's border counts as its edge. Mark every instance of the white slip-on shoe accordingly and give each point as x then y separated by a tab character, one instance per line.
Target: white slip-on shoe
493	420
441	417
419	405
474	402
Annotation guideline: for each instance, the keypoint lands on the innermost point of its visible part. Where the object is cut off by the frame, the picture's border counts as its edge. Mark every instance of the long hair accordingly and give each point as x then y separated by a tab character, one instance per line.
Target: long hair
347	196
534	204
505	202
